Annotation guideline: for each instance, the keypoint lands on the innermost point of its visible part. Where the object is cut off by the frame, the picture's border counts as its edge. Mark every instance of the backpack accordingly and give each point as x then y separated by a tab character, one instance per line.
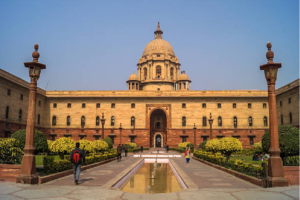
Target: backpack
76	156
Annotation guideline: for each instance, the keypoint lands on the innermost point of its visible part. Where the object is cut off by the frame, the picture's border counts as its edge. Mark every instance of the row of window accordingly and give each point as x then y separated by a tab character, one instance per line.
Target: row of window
83	105
21	96
290	101
20	115
220	105
235	121
290	116
112	121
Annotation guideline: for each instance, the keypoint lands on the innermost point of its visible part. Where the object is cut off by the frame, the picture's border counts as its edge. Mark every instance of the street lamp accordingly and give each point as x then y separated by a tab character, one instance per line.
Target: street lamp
28	168
210	123
194	135
120	128
275	168
102	122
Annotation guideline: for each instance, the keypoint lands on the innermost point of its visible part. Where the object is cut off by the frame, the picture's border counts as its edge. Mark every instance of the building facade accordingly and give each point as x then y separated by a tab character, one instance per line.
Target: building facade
158	107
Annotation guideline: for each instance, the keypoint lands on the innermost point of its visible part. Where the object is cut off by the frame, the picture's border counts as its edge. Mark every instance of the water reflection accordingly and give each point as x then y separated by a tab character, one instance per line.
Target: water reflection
159	176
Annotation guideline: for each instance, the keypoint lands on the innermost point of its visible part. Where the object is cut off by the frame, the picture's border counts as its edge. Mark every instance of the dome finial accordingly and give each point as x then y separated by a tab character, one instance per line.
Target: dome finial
158	32
270	53
36	54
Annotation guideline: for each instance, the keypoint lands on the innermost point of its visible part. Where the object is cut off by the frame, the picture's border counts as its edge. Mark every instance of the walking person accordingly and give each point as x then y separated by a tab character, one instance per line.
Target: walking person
122	154
187	154
167	148
76	157
119	152
126	149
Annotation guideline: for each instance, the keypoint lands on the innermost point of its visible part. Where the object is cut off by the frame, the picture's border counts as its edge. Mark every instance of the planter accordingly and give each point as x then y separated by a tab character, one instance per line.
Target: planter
291	173
9	172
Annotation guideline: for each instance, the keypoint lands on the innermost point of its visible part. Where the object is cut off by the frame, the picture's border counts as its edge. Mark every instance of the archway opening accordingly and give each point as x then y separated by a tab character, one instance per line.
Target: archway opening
158	128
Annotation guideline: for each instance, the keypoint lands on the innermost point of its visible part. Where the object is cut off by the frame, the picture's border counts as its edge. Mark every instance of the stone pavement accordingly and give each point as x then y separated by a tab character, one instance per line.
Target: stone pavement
209	183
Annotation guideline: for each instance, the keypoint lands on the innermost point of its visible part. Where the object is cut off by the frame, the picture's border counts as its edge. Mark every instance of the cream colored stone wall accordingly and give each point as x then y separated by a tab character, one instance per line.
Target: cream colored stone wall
161	86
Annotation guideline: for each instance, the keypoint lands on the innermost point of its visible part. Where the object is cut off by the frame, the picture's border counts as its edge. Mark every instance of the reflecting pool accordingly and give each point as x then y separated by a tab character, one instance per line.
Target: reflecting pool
153	178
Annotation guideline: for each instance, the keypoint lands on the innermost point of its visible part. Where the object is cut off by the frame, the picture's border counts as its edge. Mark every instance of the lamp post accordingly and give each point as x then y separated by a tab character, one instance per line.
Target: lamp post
28	168
102	122
194	135
120	129
210	124
275	168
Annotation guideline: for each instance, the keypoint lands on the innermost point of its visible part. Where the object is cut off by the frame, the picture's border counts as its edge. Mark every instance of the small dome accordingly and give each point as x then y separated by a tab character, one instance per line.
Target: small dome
133	77
158	45
183	77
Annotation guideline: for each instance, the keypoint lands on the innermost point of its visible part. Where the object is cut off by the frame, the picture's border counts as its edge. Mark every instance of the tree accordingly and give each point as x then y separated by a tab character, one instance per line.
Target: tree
40	140
288	140
212	145
109	142
229	145
63	146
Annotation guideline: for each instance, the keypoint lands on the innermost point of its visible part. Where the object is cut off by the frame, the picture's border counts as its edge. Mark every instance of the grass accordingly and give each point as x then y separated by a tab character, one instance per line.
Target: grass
39	159
248	159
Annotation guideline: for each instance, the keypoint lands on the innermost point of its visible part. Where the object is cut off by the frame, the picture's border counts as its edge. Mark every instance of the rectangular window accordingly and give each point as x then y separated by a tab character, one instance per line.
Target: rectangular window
290	100
219	105
251	140
133	105
183	105
249	105
8	92
69	105
264	105
40	103
132	139
53	138
98	105
204	105
113	105
54	105
183	139
39	118
280	103
234	105
112	139
204	139
21	97
83	105
112	131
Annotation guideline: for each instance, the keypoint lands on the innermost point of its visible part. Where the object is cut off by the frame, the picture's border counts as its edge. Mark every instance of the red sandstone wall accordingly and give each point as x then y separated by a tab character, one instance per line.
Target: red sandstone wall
291	173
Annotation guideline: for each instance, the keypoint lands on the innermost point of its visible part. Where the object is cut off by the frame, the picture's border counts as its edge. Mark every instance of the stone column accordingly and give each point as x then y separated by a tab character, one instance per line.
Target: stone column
120	129
102	122
194	135
210	124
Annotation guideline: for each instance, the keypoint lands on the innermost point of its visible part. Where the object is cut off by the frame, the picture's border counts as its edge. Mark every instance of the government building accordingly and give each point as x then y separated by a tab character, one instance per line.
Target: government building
158	107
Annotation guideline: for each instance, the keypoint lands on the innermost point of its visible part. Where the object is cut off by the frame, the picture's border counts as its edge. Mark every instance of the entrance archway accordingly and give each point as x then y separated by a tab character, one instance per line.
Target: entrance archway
158	128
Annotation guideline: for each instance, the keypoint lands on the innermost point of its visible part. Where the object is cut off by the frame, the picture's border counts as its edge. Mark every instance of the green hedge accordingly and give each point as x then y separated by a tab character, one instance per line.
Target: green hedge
51	166
245	152
137	149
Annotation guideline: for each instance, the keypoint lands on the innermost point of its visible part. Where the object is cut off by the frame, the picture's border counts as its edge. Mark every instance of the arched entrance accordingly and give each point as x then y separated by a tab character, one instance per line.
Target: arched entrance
158	128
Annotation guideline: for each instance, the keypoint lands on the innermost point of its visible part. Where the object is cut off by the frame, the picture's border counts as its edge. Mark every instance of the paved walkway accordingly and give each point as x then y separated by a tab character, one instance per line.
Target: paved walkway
95	184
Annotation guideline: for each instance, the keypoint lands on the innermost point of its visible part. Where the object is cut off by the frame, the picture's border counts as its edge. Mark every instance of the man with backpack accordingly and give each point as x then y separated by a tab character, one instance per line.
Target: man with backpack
76	157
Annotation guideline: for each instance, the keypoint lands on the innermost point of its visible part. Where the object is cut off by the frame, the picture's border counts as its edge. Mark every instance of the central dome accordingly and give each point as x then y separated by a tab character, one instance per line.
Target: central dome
158	45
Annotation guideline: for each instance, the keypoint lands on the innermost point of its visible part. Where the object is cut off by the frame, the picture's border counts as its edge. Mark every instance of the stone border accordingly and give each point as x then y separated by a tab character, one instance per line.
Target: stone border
245	177
51	177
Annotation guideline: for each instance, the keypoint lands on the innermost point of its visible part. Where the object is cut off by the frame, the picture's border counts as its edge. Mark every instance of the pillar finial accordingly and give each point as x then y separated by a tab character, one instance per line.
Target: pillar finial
270	53
36	54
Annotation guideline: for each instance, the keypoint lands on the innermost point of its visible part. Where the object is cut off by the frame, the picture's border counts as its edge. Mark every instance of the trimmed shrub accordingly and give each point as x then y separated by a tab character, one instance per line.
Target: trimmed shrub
86	146
212	145
10	152
184	144
131	145
63	146
288	141
257	147
99	145
202	145
228	145
40	140
109	142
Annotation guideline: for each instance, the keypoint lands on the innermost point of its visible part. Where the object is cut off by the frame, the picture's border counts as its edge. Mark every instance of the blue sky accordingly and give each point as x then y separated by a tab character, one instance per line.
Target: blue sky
95	45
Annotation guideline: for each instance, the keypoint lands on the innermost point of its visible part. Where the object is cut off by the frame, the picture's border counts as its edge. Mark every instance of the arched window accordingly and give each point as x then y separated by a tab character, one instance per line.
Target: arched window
83	121
179	86
250	121
291	118
157	125
54	120
7	112
158	71
183	121
235	122
68	120
265	121
184	86
171	73
145	73
133	86
39	119
97	121
281	119
204	121
20	115
132	121
220	121
112	121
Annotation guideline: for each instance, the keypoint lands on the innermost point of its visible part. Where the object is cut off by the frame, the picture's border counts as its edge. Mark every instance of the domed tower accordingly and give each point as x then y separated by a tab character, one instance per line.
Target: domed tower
133	82
183	81
158	68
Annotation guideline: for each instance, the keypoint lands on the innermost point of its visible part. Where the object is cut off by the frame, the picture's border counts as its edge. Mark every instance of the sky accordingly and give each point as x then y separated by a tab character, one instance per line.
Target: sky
95	45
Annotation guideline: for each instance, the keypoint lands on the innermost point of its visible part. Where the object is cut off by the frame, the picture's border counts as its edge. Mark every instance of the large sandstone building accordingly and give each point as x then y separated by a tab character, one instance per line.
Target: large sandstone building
158	107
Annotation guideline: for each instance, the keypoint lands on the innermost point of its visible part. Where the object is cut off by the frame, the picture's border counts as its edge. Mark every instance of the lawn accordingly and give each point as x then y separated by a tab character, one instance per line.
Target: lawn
39	159
247	159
